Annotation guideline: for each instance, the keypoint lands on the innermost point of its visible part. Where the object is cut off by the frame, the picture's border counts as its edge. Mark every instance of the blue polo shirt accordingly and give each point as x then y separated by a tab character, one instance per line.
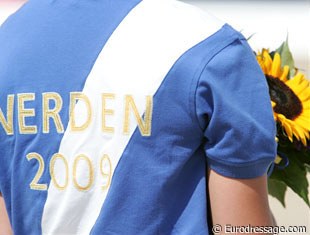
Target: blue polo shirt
111	111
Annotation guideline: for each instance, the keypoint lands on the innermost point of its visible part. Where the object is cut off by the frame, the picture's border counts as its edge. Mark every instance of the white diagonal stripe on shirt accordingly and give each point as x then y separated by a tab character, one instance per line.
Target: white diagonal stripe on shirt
135	61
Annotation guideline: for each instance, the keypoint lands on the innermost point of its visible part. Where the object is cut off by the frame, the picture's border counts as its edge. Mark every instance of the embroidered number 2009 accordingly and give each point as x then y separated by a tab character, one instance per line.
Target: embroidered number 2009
61	181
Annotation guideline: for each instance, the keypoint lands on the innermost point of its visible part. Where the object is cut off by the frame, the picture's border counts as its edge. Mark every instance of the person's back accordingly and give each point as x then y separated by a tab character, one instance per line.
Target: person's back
110	111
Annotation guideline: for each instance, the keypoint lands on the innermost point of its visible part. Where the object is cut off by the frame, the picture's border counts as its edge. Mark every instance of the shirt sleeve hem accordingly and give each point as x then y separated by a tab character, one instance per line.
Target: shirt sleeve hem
242	171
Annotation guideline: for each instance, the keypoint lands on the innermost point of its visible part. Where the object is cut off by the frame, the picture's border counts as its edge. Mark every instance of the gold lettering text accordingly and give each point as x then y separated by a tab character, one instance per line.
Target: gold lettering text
8	123
23	113
106	111
52	171
91	173
106	170
144	125
52	113
34	183
74	97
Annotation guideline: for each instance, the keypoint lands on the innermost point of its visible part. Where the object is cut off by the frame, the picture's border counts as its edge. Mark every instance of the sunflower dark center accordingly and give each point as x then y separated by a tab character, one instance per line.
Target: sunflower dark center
287	102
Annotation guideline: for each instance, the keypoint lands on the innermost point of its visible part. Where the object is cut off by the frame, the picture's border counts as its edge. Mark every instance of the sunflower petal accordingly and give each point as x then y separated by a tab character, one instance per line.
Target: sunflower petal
276	66
287	126
300	87
267	60
285	72
303	123
304	97
307	134
299	133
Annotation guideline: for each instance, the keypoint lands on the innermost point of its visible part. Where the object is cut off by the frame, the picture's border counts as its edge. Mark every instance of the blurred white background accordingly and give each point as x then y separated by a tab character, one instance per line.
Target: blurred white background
271	22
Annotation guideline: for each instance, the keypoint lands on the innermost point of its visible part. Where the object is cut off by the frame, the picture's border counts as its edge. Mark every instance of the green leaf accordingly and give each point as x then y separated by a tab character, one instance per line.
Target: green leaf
286	57
300	154
303	157
277	189
295	177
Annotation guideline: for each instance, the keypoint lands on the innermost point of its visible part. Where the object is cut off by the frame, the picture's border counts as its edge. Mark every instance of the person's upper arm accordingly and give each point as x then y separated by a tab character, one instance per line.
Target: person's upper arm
234	110
240	202
5	227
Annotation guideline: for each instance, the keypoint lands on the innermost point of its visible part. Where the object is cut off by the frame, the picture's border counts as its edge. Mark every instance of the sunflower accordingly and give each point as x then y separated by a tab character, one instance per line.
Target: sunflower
290	97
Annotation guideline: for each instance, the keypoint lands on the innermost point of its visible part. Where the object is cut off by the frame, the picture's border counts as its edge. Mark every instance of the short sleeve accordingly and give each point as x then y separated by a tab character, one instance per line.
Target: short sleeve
234	110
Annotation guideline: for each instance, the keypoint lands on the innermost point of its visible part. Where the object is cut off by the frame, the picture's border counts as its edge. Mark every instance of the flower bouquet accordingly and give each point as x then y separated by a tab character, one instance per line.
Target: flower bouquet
289	91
